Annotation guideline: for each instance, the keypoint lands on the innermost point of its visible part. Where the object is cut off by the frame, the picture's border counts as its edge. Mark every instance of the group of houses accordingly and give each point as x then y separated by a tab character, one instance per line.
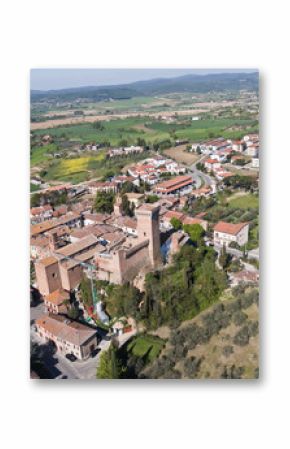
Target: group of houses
151	170
236	152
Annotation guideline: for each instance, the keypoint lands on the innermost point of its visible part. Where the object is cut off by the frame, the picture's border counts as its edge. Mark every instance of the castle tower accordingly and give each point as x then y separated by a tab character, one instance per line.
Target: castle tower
47	275
118	212
148	228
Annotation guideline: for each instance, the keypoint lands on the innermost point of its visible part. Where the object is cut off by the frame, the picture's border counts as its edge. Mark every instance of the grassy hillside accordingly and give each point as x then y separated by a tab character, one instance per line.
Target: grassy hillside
222	342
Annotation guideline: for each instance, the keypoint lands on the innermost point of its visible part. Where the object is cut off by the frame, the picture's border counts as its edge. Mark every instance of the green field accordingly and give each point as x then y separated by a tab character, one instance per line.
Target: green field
245	202
76	169
130	129
86	167
114	132
41	154
120	132
146	345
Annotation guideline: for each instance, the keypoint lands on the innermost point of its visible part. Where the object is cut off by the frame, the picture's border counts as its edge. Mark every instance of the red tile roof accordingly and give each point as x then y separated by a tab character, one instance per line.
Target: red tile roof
211	161
229	228
173	214
174	184
57	297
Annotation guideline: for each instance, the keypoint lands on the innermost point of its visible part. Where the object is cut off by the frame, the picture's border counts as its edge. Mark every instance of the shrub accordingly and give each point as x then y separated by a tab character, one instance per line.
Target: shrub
192	366
242	337
232	372
228	350
253	328
239	318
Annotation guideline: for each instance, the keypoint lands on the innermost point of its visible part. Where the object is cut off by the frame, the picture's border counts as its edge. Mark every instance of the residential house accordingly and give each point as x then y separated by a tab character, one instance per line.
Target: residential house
56	302
41	213
211	164
70	337
225	233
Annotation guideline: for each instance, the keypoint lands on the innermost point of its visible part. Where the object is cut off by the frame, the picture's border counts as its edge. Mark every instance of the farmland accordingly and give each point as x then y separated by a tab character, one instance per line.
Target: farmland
73	169
121	132
84	167
181	155
130	129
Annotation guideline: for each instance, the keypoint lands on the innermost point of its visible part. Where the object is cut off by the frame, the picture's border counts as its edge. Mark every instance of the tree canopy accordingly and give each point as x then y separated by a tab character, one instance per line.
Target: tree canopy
104	202
110	365
176	223
195	232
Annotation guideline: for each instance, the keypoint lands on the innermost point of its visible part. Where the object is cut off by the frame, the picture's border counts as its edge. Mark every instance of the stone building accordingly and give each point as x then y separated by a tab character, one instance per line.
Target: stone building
118	256
70	337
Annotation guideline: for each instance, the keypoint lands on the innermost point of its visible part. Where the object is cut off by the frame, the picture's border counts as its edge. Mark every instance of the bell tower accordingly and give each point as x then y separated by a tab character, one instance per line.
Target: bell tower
148	228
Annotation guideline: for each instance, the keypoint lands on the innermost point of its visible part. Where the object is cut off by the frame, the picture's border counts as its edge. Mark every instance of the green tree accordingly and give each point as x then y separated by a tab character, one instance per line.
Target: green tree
224	258
152	198
73	313
110	366
128	187
123	300
127	208
195	232
35	200
209	283
176	223
98	125
104	202
86	292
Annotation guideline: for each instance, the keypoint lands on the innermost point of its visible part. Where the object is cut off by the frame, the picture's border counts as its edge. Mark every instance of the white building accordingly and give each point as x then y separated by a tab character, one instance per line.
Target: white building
225	233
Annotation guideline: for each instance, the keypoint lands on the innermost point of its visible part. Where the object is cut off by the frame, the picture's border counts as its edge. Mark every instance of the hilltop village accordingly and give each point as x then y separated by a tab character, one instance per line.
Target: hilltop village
95	246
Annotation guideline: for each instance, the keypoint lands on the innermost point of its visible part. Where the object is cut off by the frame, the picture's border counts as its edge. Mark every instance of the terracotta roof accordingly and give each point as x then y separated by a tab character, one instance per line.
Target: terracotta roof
211	161
69	331
40	209
40	240
191	220
87	230
173	214
105	184
48	261
59	187
77	247
229	228
57	297
113	237
174	182
97	217
126	221
202	190
50	224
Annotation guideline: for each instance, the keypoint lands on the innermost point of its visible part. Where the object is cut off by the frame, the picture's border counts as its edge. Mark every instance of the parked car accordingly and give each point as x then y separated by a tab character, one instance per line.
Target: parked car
71	357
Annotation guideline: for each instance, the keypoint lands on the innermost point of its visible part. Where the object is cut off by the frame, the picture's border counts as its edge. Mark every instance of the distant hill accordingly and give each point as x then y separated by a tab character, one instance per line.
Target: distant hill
188	83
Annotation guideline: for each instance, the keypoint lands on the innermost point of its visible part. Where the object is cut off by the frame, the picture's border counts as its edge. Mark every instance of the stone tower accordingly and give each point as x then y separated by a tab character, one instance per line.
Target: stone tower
118	207
47	275
148	228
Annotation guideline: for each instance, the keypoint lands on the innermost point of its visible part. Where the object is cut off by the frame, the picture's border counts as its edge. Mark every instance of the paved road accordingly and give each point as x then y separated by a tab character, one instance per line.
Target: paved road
199	176
254	253
59	366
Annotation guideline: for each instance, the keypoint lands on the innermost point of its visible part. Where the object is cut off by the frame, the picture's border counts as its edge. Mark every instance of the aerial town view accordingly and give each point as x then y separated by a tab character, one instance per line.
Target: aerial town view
144	227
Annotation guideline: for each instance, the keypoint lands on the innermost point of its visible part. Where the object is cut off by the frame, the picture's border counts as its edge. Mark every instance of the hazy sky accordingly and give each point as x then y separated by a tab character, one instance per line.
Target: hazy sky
46	79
